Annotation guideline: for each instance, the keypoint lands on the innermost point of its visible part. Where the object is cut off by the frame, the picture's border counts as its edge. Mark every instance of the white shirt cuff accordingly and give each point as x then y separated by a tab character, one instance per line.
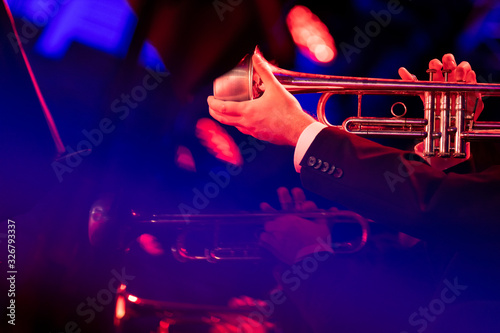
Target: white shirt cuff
305	140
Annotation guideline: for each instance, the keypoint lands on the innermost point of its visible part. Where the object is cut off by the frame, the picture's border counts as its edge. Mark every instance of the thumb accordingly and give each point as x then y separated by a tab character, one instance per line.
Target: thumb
264	70
309	206
406	75
265	207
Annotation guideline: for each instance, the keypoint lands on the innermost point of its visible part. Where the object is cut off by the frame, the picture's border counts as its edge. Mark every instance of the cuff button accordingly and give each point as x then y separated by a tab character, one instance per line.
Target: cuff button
338	173
317	166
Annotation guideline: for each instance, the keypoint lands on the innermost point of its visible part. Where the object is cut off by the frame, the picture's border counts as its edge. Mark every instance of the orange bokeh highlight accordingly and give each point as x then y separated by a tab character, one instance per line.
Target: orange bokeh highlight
120	308
132	298
311	35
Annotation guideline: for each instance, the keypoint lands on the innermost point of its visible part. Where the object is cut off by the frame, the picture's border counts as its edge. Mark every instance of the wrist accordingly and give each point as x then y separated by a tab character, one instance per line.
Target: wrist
299	125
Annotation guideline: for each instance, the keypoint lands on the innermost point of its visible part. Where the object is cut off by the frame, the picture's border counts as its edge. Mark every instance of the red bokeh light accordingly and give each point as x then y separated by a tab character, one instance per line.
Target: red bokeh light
311	35
184	159
218	142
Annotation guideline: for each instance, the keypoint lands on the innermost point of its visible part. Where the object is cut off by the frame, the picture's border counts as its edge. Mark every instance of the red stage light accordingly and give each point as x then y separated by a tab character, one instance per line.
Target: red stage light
218	142
165	325
184	159
150	244
311	35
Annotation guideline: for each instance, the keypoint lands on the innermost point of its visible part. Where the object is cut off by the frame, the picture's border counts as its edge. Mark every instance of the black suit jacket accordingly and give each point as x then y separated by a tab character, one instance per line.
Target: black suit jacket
399	189
456	216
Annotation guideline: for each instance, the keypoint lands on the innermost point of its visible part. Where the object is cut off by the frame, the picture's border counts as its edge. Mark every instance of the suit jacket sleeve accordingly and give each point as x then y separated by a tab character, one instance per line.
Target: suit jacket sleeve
399	189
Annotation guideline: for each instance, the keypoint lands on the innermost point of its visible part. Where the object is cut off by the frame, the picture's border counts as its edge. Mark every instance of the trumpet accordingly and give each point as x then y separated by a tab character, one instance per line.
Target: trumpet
235	237
445	128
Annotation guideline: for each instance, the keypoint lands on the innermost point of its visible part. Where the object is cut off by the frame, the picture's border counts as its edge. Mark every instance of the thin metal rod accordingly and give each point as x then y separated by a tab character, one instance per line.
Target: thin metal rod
48	116
237	218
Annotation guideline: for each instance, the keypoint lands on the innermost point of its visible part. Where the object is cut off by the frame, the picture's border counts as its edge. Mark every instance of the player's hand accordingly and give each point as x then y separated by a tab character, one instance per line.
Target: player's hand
276	116
458	73
290	237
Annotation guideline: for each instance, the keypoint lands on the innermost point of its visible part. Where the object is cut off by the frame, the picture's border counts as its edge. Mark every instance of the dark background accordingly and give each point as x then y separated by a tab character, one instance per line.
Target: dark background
134	165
